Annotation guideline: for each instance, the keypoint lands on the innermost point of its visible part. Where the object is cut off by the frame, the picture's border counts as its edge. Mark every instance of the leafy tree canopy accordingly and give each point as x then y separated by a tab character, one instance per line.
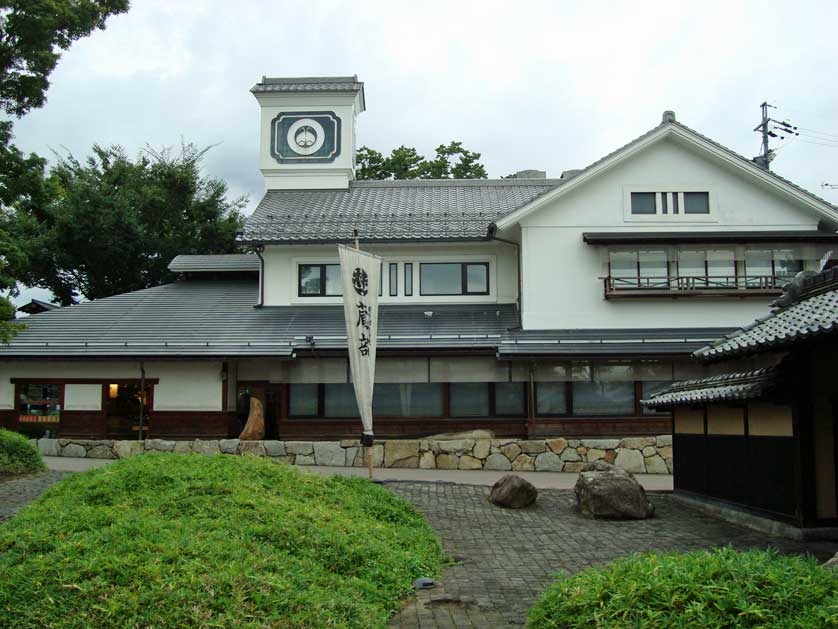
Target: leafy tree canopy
452	161
115	223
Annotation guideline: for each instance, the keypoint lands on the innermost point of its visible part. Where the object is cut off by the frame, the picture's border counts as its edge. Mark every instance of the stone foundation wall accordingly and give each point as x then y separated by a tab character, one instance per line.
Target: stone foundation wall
651	455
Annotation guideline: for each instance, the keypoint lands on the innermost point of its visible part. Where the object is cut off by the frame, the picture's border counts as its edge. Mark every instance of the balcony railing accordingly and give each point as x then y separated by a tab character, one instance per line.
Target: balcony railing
694	285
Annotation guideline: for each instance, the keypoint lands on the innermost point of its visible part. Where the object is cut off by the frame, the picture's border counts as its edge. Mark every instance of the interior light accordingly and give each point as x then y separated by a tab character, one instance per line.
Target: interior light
113	391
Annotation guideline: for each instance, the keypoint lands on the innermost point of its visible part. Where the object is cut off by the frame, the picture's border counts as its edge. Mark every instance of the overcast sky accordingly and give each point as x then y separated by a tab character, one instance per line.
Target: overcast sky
551	85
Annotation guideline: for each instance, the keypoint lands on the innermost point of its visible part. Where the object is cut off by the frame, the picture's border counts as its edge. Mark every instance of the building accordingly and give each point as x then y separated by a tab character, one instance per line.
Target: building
527	306
764	440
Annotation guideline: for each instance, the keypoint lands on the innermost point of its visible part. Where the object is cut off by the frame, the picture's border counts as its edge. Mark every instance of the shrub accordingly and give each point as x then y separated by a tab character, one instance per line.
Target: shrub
169	540
18	455
718	588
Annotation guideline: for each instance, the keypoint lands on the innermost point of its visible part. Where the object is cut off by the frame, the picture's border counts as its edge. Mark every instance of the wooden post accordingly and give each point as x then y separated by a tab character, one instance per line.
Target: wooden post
369	447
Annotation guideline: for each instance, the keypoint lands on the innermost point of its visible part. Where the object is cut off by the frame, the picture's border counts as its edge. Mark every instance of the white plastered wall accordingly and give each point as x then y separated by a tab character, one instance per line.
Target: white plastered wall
562	288
183	386
281	264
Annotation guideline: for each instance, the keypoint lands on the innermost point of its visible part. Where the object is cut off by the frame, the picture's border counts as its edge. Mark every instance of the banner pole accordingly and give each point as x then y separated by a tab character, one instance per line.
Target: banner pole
369	447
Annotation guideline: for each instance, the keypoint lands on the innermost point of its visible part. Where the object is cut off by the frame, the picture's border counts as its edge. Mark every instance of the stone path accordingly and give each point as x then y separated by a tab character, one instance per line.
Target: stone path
15	493
505	559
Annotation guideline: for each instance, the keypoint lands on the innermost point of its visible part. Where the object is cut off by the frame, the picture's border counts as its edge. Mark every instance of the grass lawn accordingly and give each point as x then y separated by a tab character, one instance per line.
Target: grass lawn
168	540
707	589
18	455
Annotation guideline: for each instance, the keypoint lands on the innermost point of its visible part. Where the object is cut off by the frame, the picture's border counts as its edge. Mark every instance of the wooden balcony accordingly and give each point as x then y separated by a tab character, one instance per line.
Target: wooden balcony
679	286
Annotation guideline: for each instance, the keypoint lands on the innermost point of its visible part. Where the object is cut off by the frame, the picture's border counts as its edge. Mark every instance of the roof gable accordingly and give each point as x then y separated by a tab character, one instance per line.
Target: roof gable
671	129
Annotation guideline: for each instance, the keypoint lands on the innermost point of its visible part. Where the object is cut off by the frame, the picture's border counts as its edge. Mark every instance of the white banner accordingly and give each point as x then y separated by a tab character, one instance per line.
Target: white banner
360	278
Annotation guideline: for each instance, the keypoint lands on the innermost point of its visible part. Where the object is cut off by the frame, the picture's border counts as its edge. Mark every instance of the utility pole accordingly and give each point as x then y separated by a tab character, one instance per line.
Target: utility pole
766	154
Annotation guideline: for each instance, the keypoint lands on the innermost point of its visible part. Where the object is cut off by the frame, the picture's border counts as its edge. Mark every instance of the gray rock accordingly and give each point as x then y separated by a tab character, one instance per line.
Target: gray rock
832	563
329	453
497	462
594	454
304	459
569	454
351	453
655	465
272	448
630	461
199	446
524	463
252	448
161	445
447	461
49	447
606	491
468	434
183	447
100	452
229	446
124	449
663	440
468	462
454	446
513	492
299	447
601	444
401	453
533	447
511	450
637	443
427	461
481	448
74	450
548	462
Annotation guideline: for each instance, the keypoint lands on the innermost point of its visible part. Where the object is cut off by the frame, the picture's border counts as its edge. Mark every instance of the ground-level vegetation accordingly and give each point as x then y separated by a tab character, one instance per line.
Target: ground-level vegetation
18	455
169	540
718	588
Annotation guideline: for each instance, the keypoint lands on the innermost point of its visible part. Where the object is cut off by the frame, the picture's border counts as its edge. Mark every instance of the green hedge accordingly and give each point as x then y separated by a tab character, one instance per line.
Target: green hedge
171	540
718	588
18	455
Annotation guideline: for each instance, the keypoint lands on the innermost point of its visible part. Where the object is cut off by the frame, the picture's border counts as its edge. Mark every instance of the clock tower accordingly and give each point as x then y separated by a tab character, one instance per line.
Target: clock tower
307	137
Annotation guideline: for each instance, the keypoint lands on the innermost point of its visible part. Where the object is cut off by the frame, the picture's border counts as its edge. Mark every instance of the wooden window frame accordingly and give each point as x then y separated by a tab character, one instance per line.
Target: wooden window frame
464	292
322	292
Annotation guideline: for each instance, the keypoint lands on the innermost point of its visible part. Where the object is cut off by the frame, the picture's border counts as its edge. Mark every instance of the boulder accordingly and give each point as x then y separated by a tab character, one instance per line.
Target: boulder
548	462
630	460
481	449
570	454
557	445
511	450
513	492
655	465
607	491
329	453
498	462
523	463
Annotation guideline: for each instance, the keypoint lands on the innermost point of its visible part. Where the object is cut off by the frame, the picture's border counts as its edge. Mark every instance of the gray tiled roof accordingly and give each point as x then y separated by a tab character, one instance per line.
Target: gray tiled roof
814	315
218	318
447	209
309	84
723	388
607	341
235	262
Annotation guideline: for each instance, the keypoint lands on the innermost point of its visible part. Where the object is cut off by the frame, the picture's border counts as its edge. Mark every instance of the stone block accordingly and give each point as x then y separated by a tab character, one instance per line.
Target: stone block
499	443
664	440
288	458
210	446
574	467
100	452
350	443
481	449
610	456
636	443
74	450
480	433
511	451
161	445
447	461
304	459
351	453
251	448
498	462
305	448
574	443
649	451
401	453
570	454
655	465
329	453
594	454
229	446
533	447
548	462
427	461
665	452
601	444
49	447
606	491
630	461
557	445
669	465
124	449
468	462
377	456
454	446
272	448
183	447
523	463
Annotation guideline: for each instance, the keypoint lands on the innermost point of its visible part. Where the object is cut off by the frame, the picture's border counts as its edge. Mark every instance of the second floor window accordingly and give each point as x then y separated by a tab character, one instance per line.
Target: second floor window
672	203
319	280
446	278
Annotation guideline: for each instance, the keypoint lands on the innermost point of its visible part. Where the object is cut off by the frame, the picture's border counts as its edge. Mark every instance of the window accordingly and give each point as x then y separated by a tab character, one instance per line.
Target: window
319	280
510	399
696	203
786	266
303	400
339	400
408	279
721	269
648	389
692	270
416	399
394	279
759	269
454	278
603	398
469	399
551	398
39	405
639	269
643	203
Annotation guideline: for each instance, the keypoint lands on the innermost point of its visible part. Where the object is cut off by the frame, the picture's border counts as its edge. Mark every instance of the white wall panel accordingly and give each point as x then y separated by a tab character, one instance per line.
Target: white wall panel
83	397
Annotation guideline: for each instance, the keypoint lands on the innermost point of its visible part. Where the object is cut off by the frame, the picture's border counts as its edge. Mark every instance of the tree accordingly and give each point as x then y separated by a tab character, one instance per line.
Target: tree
116	223
405	163
32	32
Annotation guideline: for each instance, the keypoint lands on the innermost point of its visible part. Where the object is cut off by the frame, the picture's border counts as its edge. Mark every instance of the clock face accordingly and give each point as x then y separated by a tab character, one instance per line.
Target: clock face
300	137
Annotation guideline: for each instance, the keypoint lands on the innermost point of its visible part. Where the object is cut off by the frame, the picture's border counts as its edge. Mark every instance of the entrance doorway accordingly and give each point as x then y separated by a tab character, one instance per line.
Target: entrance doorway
123	402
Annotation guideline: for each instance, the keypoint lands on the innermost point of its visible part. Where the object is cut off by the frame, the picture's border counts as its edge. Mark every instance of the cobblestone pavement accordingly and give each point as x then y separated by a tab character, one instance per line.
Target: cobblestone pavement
17	492
504	558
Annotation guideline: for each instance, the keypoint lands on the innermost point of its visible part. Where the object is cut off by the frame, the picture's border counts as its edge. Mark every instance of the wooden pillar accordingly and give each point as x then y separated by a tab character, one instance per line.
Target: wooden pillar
531	402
